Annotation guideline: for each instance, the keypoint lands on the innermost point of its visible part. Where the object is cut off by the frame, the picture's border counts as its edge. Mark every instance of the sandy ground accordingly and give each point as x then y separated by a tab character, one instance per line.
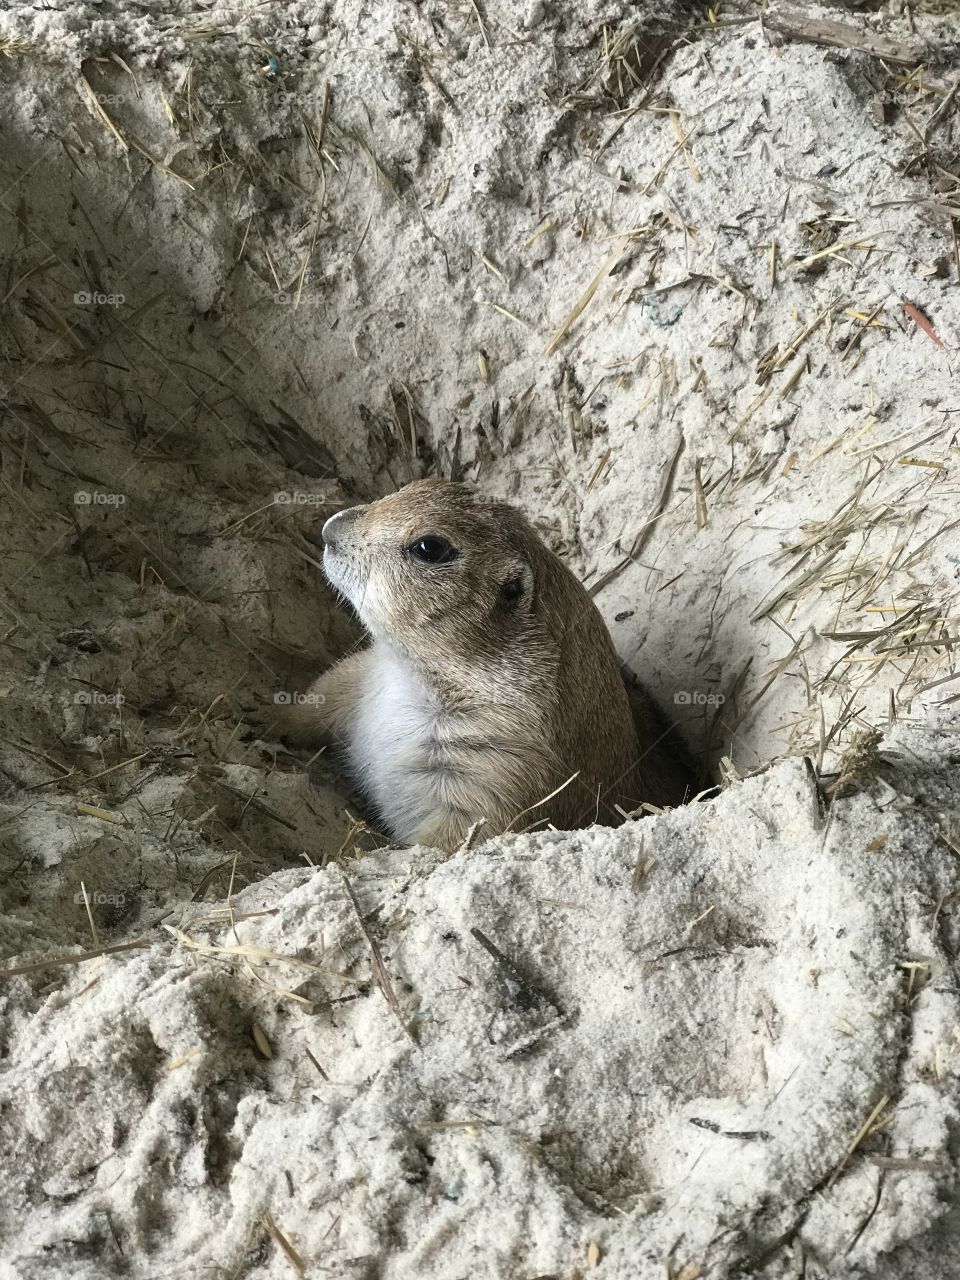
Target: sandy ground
687	291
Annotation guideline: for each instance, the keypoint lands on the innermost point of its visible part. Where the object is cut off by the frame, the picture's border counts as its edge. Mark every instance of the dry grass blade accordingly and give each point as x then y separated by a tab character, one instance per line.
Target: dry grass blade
283	1244
658	173
700	496
943	110
798	584
375	165
541	802
682	139
529	1041
127	325
105	815
244	951
793	377
379	968
141	944
128	141
750	411
480	23
797	342
778	671
862	1133
646	529
99	111
158	164
833	251
864	326
60	323
86	903
14	46
608	265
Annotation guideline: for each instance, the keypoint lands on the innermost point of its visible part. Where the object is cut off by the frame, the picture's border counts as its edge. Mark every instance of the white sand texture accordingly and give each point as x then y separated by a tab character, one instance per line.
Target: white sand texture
682	283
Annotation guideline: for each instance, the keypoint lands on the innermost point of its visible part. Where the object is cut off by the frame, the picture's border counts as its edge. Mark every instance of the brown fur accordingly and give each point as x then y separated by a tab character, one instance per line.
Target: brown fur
522	694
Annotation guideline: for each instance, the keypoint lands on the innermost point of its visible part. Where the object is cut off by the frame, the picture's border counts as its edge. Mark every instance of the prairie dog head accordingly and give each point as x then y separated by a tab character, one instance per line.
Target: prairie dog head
436	565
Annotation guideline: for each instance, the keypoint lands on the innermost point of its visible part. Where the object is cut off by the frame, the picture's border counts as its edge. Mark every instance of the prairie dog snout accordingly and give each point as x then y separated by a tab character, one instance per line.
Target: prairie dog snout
341	519
491	690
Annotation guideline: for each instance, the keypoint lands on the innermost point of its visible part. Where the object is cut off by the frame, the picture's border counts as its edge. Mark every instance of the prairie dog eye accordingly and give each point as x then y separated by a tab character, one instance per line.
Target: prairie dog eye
432	550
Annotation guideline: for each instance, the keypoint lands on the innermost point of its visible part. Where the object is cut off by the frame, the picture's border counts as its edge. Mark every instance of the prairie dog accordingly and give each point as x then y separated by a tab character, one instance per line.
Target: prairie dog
491	679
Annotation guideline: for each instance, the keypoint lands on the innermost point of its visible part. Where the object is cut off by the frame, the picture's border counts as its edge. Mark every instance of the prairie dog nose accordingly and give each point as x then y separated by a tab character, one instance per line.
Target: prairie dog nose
336	524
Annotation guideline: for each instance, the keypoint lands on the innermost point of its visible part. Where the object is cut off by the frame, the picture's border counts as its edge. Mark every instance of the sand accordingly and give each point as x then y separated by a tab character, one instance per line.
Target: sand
685	290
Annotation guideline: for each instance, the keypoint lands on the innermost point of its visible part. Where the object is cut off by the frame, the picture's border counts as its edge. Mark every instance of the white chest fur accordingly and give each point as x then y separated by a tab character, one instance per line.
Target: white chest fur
396	743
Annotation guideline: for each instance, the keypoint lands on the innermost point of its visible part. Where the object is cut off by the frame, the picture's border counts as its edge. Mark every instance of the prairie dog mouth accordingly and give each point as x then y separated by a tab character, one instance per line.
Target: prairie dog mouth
337	570
345	576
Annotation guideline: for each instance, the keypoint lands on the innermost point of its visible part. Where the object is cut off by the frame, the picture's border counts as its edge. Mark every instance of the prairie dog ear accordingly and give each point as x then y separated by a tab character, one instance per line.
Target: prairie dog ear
515	593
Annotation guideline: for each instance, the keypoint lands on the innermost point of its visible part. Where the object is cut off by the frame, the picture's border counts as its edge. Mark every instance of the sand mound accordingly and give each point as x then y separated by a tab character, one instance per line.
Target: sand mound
723	1037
